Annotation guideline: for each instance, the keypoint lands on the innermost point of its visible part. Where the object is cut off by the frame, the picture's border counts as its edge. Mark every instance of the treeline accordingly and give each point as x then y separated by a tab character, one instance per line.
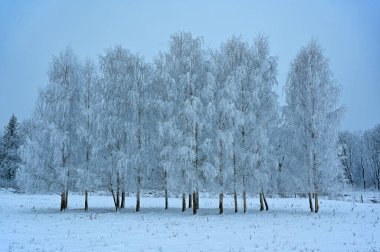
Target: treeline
195	119
359	154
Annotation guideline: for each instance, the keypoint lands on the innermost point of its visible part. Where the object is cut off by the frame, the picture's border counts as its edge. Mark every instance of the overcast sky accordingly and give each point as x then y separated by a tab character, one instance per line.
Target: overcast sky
349	31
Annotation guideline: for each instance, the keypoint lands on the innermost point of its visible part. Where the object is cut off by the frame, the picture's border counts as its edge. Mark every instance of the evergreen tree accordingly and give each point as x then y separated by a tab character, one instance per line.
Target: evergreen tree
9	157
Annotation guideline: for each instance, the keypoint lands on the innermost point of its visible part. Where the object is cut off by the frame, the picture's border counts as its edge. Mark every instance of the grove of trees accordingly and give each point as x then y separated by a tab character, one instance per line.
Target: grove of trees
195	120
359	155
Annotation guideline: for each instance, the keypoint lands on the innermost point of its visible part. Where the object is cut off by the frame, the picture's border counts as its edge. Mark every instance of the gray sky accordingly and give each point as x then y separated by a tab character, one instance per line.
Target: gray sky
32	31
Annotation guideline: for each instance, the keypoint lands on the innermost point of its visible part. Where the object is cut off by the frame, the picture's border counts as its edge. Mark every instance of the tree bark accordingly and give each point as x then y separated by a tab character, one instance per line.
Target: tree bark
261	202
166	199
117	199
363	174
190	201
118	190
234	176
114	199
316	202
138	201
221	203
236	203
166	189
194	203
66	199
197	201
63	198
183	202
245	201
221	169
265	203
122	199
310	203
86	200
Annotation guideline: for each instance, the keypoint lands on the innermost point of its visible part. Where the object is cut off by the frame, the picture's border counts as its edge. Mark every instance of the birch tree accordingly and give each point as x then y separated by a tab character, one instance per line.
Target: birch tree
168	133
62	99
185	68
138	98
312	97
117	69
263	115
224	94
86	127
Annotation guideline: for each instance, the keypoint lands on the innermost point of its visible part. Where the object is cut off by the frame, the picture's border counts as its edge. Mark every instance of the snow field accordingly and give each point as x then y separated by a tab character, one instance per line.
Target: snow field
34	223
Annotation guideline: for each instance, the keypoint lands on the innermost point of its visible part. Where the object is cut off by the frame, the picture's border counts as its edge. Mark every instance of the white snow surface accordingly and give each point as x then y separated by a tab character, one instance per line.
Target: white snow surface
34	223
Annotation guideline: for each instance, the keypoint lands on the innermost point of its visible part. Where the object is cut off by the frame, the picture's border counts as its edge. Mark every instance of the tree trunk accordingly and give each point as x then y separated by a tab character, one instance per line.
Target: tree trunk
194	203
316	186
86	201
221	181
117	199
66	199
245	201
221	203
138	201
166	189
183	202
190	201
374	181
122	199
316	202
166	199
197	201
310	203
63	198
234	176
261	202
265	202
114	199
118	190
362	170
236	203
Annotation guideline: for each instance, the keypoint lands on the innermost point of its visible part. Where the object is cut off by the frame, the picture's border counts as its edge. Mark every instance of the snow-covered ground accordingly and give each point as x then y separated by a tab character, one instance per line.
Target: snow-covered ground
34	223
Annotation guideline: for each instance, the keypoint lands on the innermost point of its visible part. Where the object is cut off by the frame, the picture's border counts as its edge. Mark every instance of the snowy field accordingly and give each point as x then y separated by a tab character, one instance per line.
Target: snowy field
34	223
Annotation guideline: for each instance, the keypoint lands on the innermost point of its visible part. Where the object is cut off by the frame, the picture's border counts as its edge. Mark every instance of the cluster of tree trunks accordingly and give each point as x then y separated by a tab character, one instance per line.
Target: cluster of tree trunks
118	201
192	203
316	202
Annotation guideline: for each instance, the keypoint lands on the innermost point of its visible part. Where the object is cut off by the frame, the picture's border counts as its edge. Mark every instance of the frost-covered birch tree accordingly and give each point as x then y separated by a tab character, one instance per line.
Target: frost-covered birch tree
185	60
312	97
37	172
139	101
62	99
86	128
117	76
163	86
224	94
264	115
